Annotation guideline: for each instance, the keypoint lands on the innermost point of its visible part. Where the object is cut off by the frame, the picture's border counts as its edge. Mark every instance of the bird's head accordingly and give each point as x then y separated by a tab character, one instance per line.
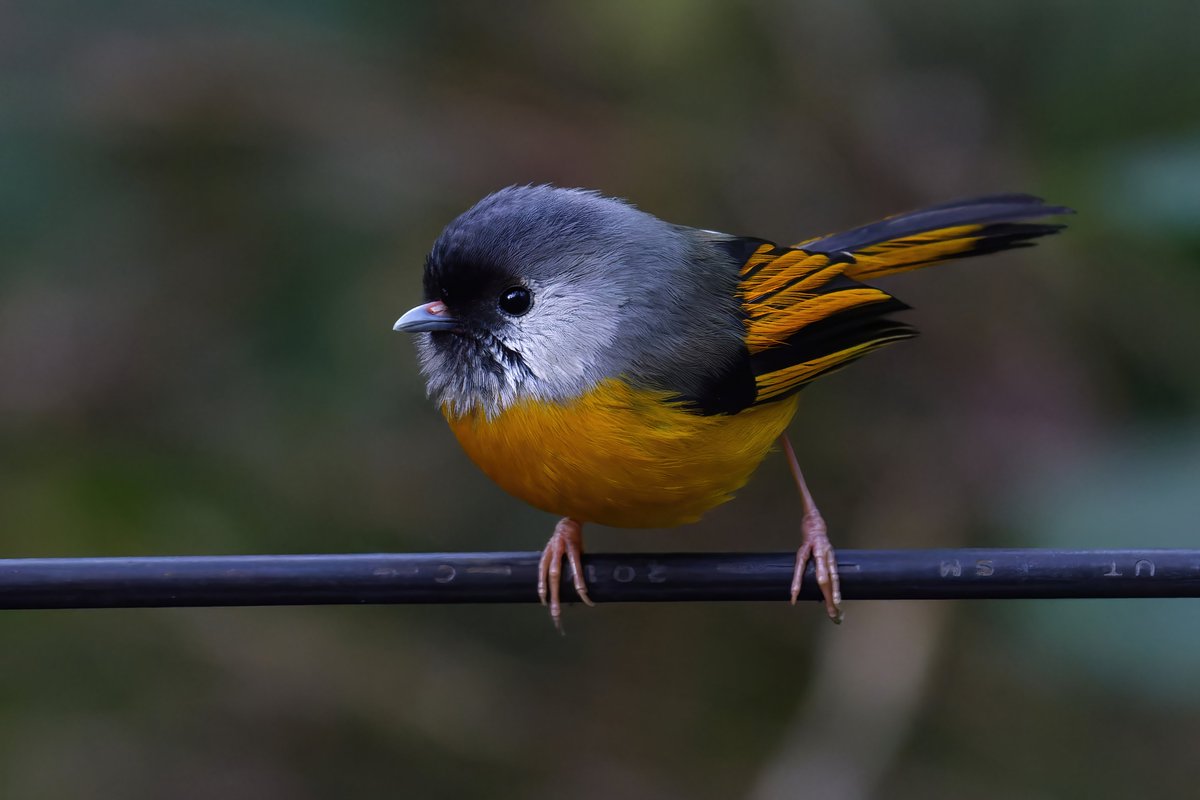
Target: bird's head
526	295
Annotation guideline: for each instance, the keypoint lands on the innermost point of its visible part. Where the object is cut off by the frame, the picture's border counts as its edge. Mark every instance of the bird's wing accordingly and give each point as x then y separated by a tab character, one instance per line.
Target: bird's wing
805	317
807	312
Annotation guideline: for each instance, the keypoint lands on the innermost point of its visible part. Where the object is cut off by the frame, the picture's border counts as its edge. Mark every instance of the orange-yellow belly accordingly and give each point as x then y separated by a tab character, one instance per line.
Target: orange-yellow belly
621	456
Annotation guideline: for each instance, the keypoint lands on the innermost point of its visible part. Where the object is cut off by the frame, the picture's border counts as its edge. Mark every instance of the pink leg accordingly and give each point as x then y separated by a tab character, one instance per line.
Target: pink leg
567	540
815	544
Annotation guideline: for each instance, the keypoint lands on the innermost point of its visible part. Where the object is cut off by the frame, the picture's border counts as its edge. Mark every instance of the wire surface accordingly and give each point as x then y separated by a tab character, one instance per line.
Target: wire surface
511	577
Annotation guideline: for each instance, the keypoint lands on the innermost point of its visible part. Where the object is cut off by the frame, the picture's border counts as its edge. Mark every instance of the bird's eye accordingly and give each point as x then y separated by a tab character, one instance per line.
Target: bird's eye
515	300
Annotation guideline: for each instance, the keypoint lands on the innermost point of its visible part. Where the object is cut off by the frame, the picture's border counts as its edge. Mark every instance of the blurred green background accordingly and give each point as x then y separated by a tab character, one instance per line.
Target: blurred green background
211	214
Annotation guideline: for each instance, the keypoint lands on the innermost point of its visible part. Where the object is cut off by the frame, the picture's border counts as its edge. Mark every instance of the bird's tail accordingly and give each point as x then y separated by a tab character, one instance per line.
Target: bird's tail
952	230
808	312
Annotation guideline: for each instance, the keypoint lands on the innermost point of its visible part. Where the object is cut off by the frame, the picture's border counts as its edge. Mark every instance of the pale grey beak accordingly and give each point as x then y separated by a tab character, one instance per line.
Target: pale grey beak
428	317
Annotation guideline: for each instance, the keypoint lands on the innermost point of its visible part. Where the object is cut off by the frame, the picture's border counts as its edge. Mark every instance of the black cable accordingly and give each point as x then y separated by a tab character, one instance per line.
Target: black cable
511	577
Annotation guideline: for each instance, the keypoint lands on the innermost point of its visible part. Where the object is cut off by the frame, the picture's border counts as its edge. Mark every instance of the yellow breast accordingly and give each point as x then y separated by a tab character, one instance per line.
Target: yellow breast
621	456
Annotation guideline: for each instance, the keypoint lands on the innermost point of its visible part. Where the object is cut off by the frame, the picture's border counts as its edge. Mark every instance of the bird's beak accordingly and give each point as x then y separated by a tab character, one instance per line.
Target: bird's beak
428	317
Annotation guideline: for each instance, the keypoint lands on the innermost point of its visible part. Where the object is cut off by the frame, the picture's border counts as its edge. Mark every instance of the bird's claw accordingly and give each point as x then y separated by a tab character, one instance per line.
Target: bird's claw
816	547
566	541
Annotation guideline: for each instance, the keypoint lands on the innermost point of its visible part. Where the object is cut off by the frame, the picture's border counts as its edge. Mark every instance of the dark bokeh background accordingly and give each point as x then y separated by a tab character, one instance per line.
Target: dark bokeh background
211	213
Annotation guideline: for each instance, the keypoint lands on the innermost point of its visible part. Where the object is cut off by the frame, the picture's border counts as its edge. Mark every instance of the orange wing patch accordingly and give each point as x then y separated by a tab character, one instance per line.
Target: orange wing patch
784	291
783	381
792	289
770	324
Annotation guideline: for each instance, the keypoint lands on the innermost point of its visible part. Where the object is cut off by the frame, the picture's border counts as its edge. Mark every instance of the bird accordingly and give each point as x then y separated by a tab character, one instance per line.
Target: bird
612	368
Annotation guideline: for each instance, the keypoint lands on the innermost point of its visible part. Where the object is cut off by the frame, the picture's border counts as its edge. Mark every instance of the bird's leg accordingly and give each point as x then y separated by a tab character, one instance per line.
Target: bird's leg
567	540
815	545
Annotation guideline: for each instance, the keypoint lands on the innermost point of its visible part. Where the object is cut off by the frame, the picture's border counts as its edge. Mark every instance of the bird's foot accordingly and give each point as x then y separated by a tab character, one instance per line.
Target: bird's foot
567	540
816	547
